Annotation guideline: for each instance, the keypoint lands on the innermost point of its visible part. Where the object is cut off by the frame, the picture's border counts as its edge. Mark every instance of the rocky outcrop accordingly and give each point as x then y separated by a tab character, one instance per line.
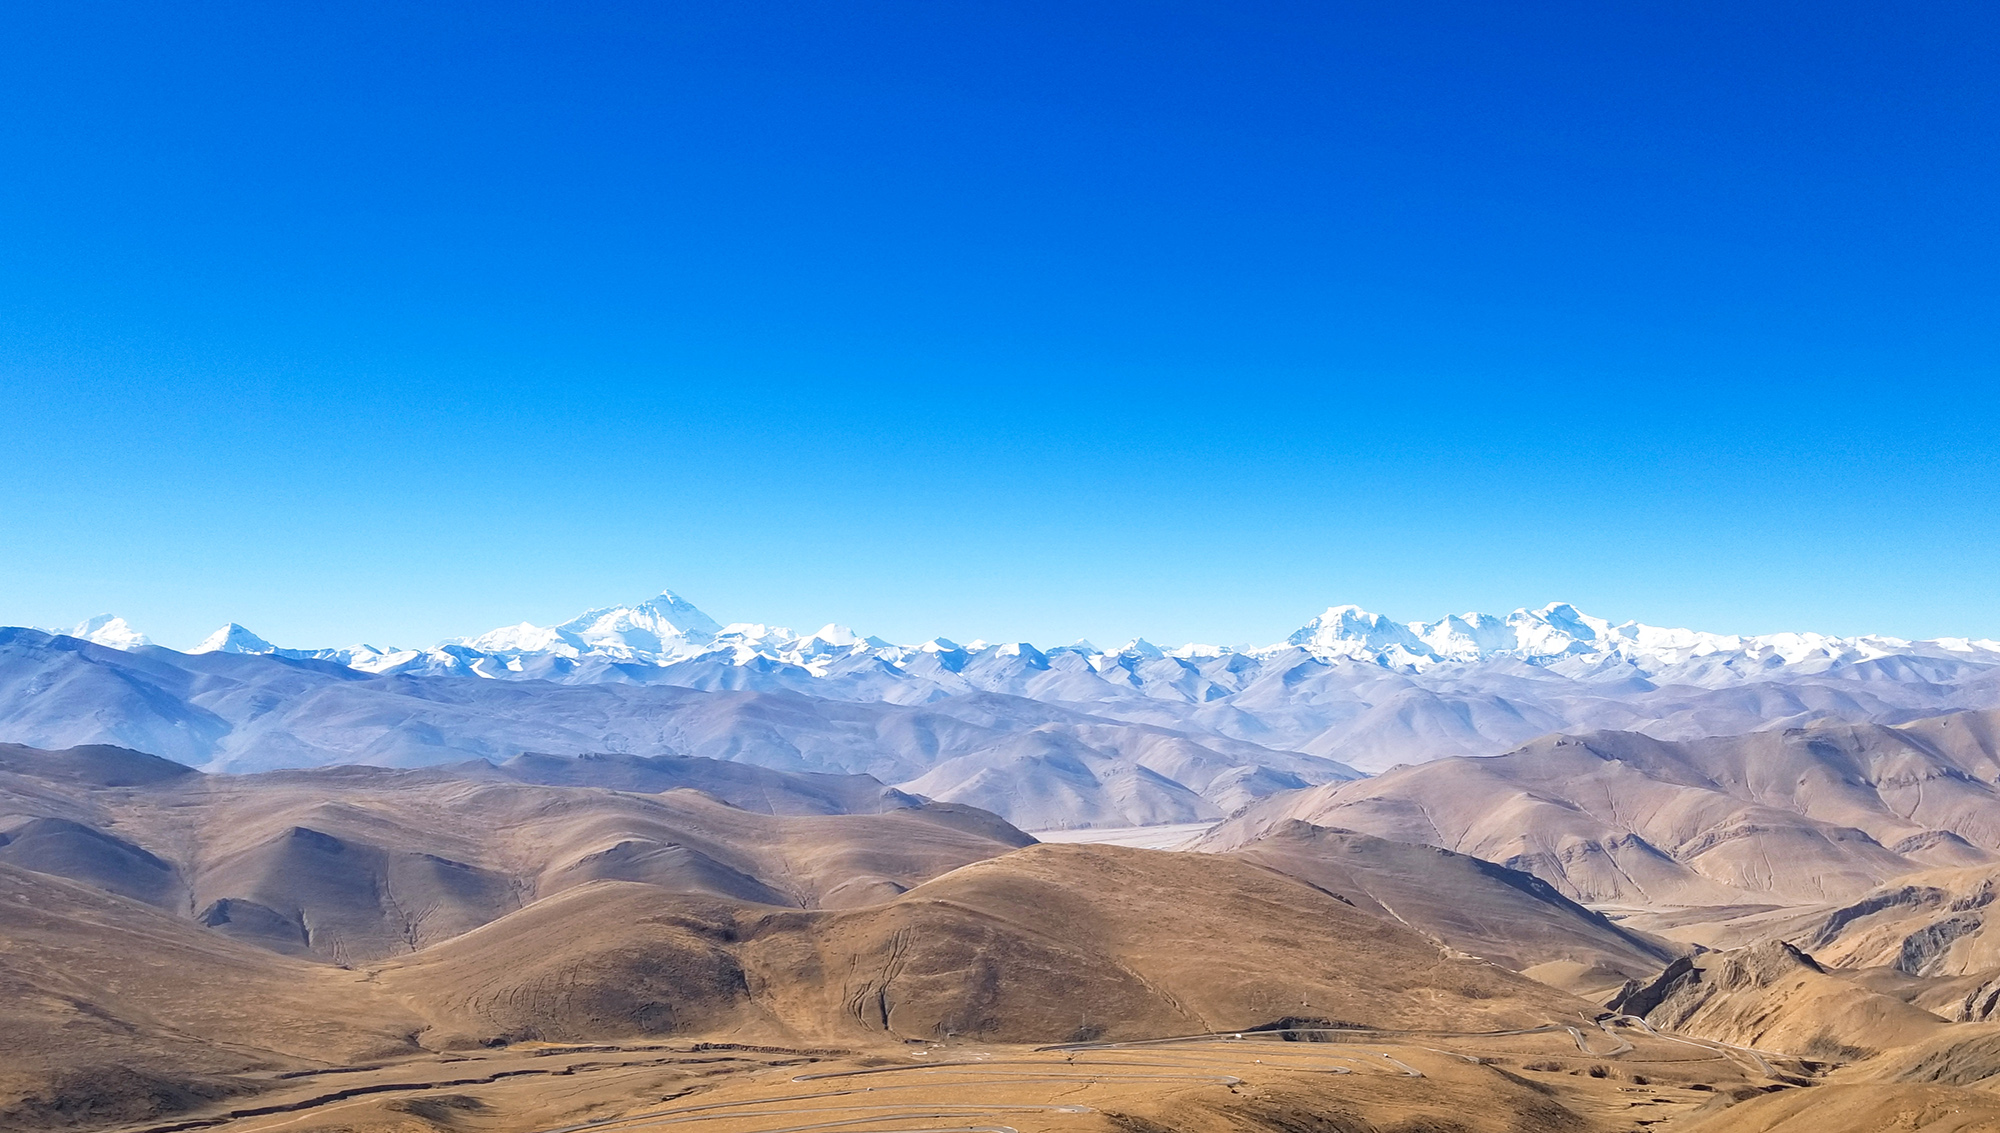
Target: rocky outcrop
1776	998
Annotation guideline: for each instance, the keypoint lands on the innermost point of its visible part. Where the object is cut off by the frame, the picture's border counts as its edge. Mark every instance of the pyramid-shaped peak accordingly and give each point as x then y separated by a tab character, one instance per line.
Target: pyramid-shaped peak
1569	619
681	613
233	638
833	633
647	627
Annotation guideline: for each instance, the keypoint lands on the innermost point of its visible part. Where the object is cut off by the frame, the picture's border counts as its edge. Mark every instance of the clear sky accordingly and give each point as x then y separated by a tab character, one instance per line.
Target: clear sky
1035	320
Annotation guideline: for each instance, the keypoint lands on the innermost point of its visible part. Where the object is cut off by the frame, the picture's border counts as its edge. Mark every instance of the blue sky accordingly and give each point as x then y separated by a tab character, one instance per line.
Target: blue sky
387	323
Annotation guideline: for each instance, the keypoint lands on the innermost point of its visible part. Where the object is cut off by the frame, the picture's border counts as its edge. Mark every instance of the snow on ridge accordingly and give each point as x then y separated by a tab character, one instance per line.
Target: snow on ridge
107	629
667	630
1560	631
233	638
1557	633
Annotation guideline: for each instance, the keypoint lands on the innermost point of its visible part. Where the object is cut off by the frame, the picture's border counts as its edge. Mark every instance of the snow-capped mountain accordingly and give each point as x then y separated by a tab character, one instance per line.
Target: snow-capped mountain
1350	689
1559	631
664	626
668	630
106	629
233	638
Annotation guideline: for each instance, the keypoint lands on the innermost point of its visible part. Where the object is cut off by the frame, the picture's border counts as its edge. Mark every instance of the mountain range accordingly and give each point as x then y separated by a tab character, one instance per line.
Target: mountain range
1604	877
1349	691
667	630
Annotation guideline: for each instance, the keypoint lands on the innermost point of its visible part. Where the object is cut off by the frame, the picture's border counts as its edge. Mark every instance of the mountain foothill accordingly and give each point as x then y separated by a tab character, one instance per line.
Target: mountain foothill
644	869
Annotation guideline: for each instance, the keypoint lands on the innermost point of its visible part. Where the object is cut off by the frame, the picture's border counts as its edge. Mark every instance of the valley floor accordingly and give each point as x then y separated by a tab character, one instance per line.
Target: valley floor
1171	836
1557	1077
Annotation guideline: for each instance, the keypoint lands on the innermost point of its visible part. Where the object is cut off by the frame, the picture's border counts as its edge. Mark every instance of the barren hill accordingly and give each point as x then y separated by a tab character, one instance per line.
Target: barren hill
112	1011
1047	944
1803	815
533	914
355	864
1774	997
1511	918
371	949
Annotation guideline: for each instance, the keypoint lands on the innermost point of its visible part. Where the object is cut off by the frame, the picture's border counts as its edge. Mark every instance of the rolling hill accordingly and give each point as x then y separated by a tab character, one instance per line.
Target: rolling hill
1795	816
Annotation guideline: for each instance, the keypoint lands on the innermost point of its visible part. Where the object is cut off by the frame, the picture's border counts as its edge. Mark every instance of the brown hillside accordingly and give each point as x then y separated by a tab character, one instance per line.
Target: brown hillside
1514	919
1794	816
1048	944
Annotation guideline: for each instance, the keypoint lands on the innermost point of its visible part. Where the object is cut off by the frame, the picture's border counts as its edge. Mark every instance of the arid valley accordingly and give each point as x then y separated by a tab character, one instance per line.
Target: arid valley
1784	930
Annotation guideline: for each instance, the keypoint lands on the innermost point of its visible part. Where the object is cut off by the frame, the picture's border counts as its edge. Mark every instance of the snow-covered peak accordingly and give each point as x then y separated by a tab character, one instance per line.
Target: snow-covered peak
527	638
661	626
1141	648
108	629
1557	629
668	631
1351	631
1466	637
233	638
652	626
1554	631
1559	634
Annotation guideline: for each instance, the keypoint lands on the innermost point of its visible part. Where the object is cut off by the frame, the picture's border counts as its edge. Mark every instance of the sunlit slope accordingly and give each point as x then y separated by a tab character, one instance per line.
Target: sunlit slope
352	865
1514	919
1796	816
1046	944
112	1011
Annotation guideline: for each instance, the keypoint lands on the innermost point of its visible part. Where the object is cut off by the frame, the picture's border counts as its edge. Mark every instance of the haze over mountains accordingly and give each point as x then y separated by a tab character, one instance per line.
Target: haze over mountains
1059	737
